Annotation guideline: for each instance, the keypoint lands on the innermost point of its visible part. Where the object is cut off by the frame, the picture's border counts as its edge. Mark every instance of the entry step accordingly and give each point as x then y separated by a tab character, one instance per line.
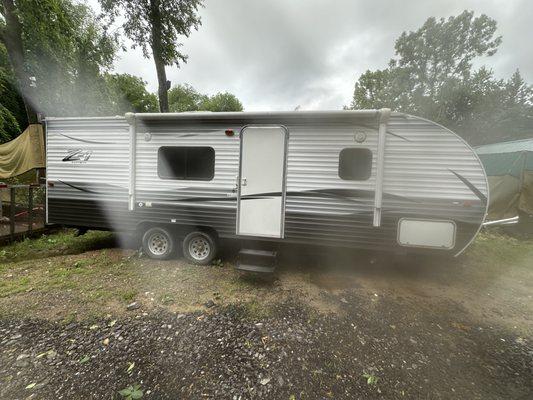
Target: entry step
255	268
259	253
254	260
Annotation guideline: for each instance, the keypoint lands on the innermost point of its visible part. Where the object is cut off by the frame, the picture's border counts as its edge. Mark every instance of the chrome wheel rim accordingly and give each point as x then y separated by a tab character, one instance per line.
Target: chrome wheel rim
199	248
158	243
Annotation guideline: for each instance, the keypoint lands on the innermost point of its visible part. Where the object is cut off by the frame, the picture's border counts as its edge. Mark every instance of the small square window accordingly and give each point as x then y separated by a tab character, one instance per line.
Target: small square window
355	164
186	163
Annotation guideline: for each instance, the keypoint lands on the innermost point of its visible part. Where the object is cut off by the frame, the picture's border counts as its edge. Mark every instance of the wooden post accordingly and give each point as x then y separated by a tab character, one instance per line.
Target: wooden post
30	209
12	214
45	203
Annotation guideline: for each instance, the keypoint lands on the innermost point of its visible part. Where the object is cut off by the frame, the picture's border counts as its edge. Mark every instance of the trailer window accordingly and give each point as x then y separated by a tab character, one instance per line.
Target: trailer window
186	163
355	164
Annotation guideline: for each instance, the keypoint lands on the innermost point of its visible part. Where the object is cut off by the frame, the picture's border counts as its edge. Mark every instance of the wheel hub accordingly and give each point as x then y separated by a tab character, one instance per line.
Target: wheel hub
158	243
199	248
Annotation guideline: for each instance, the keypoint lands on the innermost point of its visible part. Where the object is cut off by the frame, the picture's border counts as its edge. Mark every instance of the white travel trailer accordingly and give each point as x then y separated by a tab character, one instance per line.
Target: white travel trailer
368	179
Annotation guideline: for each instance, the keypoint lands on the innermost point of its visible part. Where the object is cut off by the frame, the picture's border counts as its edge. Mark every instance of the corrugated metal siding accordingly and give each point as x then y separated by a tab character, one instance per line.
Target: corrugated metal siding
421	165
420	157
103	177
186	201
105	172
150	187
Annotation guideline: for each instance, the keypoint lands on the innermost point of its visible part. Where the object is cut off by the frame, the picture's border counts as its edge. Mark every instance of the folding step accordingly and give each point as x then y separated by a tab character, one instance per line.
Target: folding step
252	260
255	268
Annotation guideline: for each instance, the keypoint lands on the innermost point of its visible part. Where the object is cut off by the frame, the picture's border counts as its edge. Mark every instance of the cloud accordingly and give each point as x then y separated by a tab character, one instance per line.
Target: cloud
278	54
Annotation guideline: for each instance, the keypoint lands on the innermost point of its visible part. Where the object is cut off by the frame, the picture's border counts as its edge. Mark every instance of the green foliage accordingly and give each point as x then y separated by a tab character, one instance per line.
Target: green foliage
156	26
221	102
149	22
128	93
66	48
61	243
132	392
432	76
184	97
12	113
371	380
9	127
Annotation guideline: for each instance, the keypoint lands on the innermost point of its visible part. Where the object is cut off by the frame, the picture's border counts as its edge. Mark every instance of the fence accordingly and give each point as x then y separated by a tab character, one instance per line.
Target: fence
22	210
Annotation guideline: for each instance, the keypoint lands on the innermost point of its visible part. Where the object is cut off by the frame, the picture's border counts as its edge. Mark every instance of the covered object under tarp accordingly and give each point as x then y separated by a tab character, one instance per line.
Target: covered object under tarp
23	153
509	167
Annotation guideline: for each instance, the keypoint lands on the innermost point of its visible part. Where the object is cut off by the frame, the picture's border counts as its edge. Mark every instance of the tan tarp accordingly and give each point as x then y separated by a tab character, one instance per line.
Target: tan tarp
23	153
526	196
508	195
504	196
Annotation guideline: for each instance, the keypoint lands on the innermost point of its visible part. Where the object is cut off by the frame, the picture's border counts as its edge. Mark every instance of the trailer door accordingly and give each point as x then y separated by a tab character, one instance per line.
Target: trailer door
261	196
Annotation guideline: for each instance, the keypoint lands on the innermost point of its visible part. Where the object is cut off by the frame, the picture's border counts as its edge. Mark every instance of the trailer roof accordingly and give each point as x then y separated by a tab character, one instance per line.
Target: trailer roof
246	115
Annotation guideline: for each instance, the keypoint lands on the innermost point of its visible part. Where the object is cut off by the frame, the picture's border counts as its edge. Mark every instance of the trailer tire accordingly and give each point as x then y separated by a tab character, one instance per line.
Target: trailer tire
158	243
200	247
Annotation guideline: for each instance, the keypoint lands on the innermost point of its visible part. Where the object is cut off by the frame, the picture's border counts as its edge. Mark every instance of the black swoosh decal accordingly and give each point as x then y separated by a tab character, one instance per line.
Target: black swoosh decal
474	189
114	187
399	136
354	195
85	140
80	188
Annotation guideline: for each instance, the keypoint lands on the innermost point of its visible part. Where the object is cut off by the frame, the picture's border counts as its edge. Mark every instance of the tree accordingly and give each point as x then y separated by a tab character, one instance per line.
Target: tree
11	36
432	76
58	50
128	93
221	102
155	26
12	110
184	98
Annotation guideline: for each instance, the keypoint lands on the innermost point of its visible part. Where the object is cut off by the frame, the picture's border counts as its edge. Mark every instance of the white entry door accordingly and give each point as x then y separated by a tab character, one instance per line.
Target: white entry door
261	197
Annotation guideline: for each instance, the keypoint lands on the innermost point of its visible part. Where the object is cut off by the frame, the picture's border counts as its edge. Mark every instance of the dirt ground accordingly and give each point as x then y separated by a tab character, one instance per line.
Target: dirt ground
81	318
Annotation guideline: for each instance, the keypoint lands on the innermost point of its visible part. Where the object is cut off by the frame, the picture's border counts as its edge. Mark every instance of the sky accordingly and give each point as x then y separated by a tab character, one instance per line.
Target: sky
281	54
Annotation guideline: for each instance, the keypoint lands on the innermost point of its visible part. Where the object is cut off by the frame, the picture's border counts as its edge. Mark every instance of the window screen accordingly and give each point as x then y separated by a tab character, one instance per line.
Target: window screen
355	164
187	163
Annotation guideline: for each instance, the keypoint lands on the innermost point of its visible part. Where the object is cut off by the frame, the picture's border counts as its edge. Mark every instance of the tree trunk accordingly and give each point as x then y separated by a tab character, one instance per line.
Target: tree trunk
155	19
12	38
162	81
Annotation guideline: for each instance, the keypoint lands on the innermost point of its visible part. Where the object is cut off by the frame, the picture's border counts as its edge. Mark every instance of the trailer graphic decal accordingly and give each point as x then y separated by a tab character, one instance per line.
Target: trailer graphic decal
78	156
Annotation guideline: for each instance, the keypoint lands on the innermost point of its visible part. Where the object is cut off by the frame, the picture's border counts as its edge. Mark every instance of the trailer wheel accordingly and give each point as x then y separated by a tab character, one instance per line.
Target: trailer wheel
158	243
199	247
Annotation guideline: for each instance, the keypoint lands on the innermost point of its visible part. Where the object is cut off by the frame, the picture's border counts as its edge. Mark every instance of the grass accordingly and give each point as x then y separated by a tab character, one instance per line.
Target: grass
63	265
72	277
129	295
495	252
10	287
61	243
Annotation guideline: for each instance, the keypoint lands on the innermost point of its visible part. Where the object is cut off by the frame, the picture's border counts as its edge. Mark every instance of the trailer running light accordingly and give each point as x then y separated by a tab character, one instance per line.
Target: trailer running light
50	184
230	132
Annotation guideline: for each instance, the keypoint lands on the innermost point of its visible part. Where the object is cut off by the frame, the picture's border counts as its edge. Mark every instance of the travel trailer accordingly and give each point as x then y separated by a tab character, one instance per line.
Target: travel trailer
368	179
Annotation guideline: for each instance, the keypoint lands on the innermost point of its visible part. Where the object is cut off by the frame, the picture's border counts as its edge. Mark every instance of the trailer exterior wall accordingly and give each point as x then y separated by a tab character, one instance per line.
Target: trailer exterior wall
429	173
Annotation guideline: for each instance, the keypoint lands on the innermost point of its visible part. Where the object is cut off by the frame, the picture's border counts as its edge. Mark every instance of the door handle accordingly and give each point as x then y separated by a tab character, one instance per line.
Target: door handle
243	182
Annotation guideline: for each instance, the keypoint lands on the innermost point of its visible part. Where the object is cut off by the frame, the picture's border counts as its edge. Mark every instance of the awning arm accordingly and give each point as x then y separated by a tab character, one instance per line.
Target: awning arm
130	118
384	115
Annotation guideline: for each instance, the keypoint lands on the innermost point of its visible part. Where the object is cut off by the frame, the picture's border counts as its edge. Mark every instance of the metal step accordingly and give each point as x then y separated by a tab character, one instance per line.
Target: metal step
260	253
255	268
253	260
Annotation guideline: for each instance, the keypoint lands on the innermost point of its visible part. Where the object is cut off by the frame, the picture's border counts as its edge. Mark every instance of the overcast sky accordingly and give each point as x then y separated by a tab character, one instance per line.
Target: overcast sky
278	54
